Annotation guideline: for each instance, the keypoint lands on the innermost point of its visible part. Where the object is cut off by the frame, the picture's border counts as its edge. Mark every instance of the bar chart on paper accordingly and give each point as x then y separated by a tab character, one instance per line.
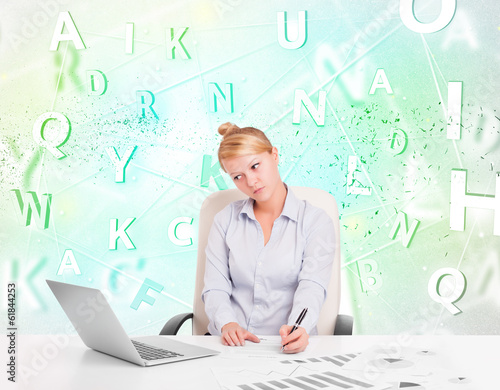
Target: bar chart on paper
293	376
338	360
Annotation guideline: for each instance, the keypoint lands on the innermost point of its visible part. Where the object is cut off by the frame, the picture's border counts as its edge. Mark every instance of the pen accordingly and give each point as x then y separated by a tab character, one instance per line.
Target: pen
297	324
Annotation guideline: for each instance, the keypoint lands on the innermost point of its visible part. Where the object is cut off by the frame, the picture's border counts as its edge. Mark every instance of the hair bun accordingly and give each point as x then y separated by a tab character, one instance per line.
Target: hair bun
227	128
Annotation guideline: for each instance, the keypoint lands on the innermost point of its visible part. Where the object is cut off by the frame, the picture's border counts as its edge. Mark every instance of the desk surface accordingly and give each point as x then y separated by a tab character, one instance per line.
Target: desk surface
63	362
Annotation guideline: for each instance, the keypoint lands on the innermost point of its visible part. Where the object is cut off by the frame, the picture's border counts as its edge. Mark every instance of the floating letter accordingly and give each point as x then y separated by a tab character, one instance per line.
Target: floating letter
406	235
408	18
63	20
172	231
224	98
145	100
68	262
399	143
283	30
454	109
455	295
368	276
115	233
208	170
352	182
317	114
98	84
174	41
52	143
142	295
129	38
380	81
32	208
120	163
459	200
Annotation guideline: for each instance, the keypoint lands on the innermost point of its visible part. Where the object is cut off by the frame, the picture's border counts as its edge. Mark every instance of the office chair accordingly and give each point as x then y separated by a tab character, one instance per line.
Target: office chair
330	322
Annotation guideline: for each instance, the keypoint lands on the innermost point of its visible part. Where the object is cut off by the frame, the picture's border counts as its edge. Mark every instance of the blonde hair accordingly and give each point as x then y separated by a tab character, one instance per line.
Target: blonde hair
239	142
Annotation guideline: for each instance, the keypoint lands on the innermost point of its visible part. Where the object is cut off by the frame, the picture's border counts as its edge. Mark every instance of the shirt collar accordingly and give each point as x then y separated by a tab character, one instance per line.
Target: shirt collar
290	209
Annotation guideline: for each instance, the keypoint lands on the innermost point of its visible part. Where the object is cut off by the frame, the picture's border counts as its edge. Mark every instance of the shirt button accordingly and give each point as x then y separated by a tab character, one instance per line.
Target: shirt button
260	263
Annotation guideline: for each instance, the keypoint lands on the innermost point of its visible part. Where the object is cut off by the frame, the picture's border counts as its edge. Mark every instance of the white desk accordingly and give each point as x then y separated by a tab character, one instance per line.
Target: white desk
41	364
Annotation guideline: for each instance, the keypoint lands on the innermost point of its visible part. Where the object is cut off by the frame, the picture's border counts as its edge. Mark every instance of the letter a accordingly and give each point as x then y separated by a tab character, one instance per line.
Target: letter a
68	262
65	19
380	81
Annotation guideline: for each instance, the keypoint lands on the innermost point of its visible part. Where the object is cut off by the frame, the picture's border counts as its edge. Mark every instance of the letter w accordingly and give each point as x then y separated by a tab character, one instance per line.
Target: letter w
26	208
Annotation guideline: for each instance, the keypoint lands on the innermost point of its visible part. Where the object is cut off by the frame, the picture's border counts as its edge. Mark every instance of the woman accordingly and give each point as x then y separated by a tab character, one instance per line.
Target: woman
269	256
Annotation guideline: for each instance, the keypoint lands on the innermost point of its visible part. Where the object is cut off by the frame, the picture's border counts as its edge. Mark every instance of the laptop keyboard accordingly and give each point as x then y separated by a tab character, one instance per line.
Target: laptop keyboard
148	352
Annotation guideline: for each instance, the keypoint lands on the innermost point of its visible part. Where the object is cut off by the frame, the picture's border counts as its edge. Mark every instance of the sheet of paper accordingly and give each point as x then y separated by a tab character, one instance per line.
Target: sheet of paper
268	348
398	362
409	368
338	360
440	381
304	376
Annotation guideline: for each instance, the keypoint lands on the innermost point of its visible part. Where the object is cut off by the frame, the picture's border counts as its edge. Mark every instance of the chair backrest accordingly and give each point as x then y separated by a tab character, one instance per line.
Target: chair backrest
216	202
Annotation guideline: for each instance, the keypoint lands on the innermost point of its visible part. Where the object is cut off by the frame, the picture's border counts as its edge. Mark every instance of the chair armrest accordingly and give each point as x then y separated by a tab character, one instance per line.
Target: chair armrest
173	325
343	325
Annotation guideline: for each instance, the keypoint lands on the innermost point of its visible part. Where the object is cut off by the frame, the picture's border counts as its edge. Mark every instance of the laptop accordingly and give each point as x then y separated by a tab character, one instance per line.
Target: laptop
99	329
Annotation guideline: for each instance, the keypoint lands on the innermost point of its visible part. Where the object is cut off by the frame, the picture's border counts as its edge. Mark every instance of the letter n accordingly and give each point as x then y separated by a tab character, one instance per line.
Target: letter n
406	235
225	98
317	114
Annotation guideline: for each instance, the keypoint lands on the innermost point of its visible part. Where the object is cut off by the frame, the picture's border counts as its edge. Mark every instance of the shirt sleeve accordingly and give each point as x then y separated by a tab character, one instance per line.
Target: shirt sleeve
316	269
218	285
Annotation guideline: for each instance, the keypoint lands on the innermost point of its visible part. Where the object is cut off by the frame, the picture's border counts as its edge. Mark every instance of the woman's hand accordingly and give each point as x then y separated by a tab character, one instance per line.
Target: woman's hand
297	340
233	334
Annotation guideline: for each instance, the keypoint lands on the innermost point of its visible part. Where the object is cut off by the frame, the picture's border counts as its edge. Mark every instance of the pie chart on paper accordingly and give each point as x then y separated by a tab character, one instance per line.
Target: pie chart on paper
460	379
409	385
426	353
391	363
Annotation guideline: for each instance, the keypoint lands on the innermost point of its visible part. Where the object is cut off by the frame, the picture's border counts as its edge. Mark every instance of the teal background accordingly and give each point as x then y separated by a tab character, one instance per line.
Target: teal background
232	41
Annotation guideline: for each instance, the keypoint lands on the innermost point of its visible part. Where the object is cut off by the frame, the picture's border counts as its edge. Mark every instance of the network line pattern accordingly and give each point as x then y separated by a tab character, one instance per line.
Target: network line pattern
108	147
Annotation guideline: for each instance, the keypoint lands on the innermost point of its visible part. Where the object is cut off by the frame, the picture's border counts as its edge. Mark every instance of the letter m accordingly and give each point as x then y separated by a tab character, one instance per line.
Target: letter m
31	207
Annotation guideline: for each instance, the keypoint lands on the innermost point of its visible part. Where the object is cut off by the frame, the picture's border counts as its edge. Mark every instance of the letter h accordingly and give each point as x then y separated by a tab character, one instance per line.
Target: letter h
459	200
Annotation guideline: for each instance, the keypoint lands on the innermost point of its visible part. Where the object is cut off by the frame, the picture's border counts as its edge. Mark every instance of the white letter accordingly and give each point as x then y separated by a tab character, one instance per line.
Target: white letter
454	109
52	142
129	38
370	280
120	163
457	293
459	200
352	187
72	35
173	41
448	8
301	33
406	235
145	100
115	233
72	264
398	144
376	84
225	98
317	114
98	84
32	208
172	231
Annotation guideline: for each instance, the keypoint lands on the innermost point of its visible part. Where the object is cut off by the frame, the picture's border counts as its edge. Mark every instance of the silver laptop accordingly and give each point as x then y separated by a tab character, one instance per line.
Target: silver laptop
98	327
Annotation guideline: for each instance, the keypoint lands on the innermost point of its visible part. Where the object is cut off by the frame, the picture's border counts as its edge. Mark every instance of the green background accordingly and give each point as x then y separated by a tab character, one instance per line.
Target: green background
236	42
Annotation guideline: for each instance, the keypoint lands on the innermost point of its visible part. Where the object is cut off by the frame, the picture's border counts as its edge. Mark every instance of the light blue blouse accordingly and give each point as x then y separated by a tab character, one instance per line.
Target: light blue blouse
264	287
